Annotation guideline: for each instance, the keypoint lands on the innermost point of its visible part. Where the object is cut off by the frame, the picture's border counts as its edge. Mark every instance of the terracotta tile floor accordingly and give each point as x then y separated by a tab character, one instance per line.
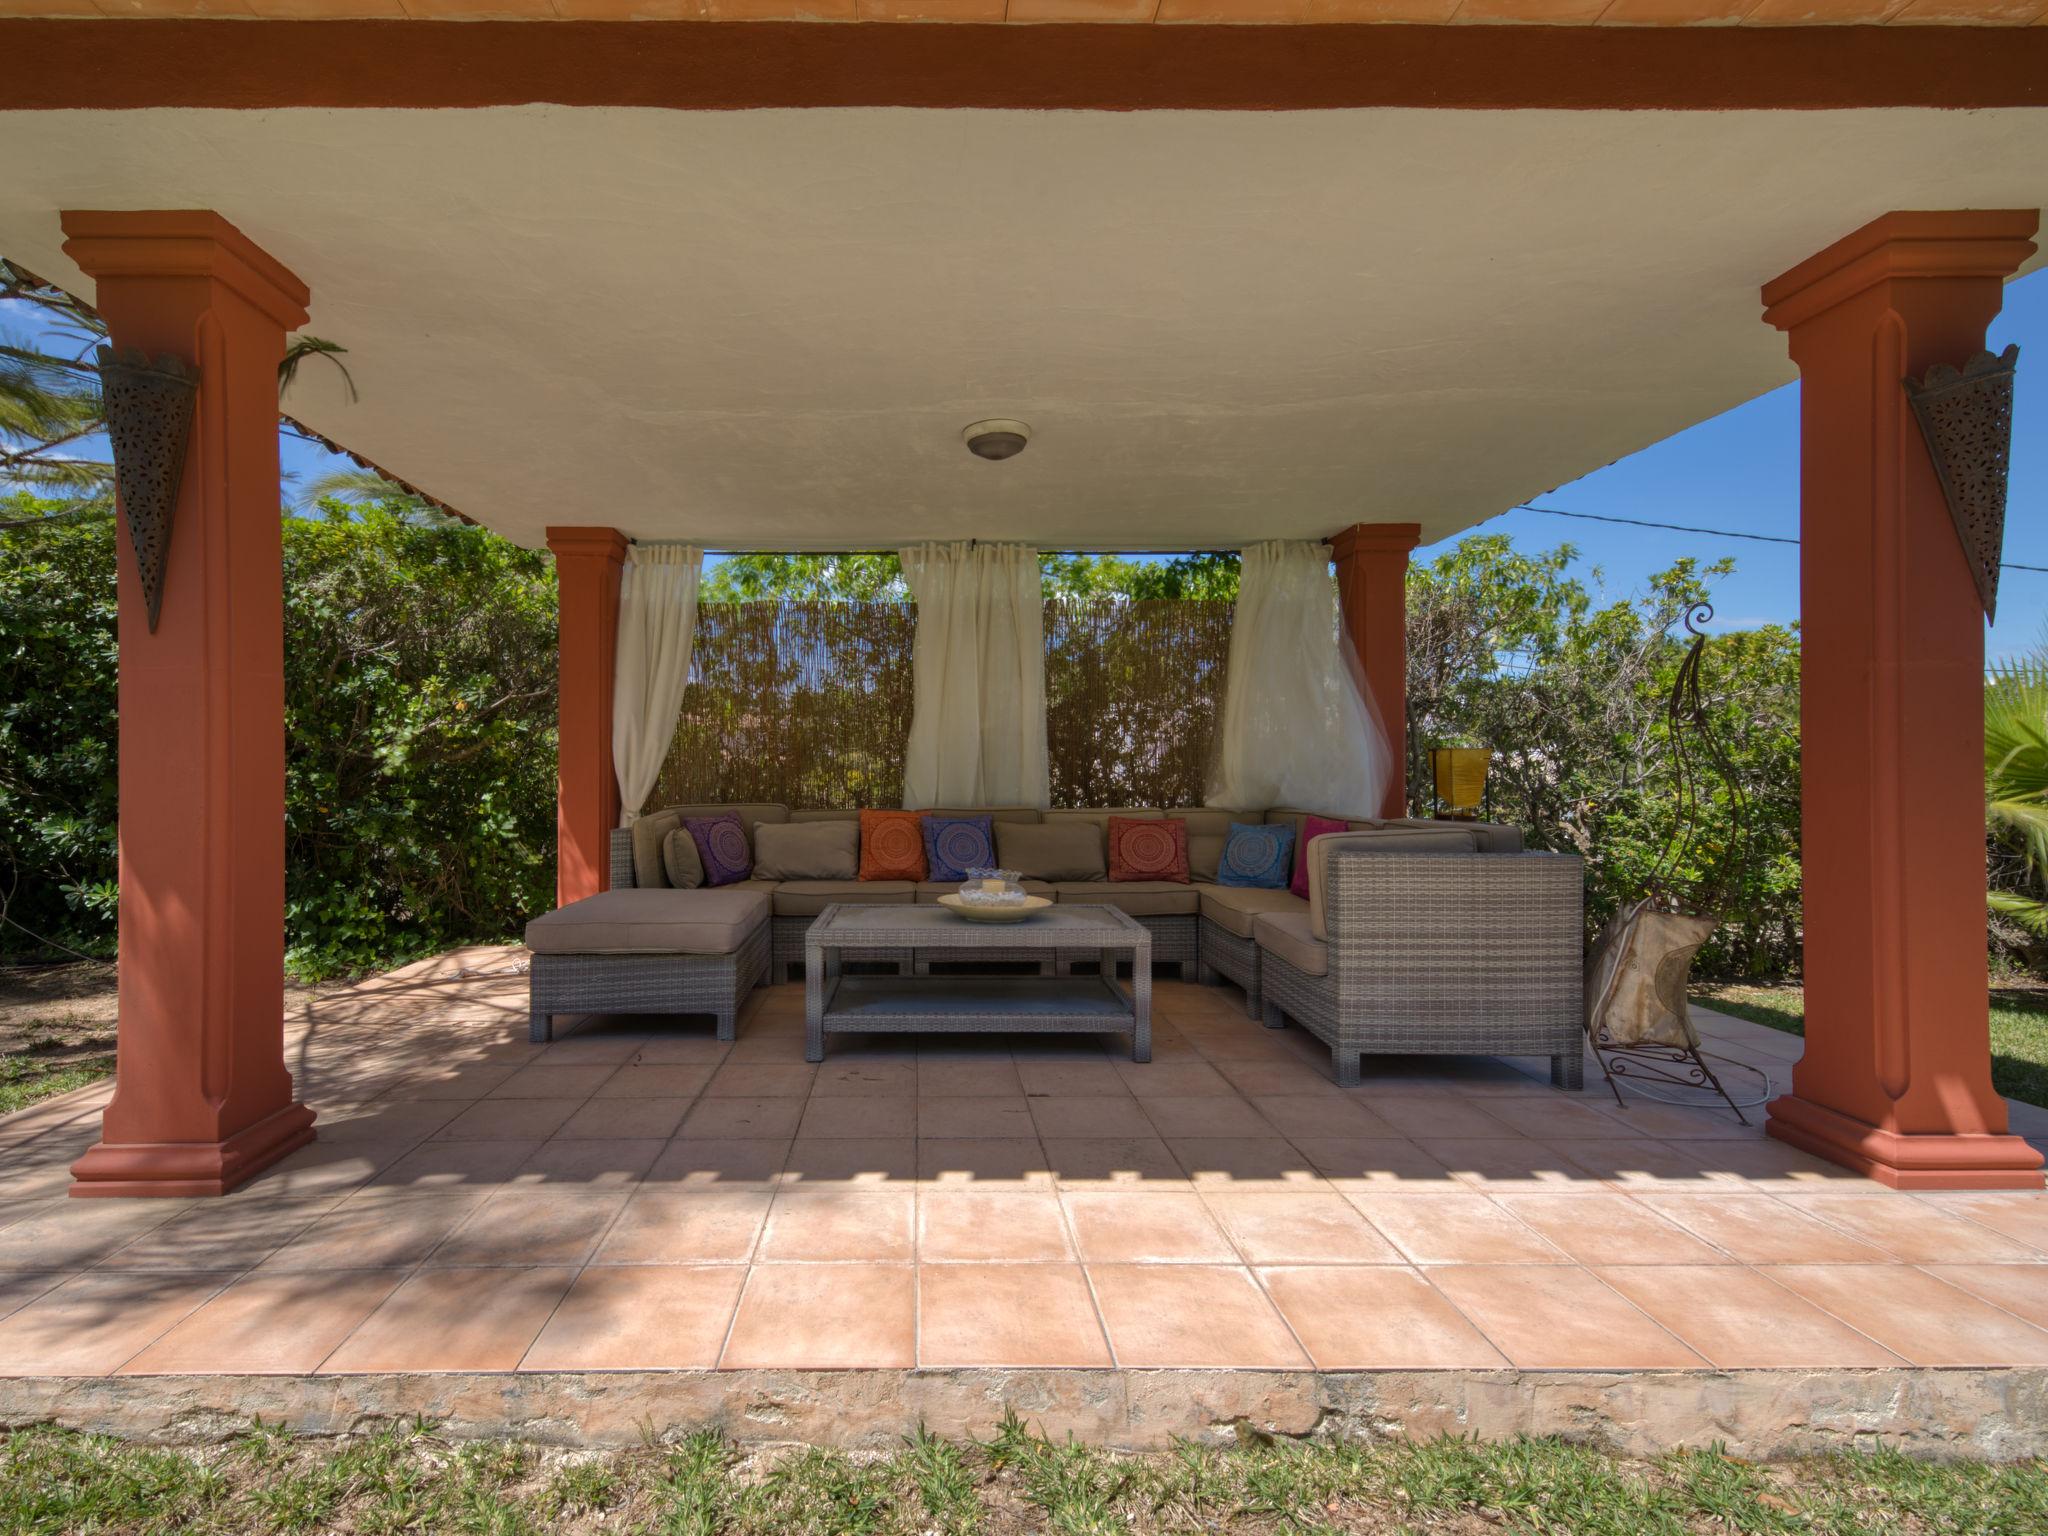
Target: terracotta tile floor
637	1195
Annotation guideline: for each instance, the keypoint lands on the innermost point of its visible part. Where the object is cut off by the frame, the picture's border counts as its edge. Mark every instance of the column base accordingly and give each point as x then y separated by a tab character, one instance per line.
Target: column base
1947	1160
166	1169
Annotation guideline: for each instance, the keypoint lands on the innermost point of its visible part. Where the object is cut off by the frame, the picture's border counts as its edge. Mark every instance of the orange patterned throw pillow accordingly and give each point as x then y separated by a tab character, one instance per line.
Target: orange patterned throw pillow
1148	850
891	845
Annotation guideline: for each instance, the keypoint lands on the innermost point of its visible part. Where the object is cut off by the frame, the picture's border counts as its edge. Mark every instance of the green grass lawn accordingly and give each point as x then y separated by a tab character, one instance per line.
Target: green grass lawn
411	1481
45	1065
2019	1029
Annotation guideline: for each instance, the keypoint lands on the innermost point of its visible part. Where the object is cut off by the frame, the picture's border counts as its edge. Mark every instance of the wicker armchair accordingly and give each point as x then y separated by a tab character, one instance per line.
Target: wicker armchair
1443	953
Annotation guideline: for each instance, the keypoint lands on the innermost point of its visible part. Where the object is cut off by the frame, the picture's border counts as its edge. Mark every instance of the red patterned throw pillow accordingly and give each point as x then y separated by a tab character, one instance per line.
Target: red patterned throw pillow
891	845
1148	850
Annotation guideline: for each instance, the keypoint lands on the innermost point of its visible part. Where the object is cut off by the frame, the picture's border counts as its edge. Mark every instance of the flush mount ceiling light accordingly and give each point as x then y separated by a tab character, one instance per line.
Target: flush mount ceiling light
995	439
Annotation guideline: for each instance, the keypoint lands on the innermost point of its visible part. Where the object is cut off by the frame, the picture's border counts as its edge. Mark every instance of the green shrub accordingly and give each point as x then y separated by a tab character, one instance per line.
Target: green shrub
419	731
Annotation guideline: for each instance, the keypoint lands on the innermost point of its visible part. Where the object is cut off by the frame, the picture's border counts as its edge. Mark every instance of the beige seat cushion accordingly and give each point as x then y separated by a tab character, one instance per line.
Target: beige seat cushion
807	898
1232	907
658	922
1287	935
807	850
1062	847
929	891
1140	898
1431	837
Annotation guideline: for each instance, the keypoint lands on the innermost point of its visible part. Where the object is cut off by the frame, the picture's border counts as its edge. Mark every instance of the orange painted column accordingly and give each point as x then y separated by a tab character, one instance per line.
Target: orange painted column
1896	1079
1372	586
202	1099
588	564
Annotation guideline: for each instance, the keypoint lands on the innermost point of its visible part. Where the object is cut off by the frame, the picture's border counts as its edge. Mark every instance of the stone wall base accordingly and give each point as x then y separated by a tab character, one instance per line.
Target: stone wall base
1997	1413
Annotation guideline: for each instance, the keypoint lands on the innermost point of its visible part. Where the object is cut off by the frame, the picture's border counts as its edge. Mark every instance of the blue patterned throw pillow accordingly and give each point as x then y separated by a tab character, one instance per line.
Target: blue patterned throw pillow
1260	856
954	845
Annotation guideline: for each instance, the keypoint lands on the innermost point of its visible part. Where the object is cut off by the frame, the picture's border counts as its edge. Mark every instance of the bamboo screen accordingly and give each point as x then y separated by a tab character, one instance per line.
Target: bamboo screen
807	704
1132	691
795	703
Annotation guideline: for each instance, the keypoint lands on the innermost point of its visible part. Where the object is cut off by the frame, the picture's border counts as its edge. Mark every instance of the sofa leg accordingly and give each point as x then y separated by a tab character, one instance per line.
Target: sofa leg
540	1027
1568	1072
1254	1005
1208	976
1348	1065
1270	1014
728	1023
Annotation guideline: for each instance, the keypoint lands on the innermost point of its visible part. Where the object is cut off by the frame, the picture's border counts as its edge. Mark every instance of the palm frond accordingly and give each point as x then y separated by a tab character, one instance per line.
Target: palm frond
351	485
313	346
2029	913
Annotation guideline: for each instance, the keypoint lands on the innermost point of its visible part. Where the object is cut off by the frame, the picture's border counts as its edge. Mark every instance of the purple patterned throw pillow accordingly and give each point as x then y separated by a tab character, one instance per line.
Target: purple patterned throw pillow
722	845
955	844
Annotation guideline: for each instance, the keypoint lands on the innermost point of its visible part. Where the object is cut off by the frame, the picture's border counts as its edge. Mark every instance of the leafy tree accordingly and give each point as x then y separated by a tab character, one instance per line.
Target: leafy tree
1508	650
804	578
879	578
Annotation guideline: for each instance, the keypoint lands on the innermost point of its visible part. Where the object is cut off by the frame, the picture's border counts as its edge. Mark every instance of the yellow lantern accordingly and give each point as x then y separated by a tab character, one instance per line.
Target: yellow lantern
1460	775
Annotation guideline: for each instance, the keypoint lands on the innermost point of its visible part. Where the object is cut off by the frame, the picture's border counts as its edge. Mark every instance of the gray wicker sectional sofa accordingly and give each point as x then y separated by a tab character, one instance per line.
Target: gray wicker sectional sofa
1418	937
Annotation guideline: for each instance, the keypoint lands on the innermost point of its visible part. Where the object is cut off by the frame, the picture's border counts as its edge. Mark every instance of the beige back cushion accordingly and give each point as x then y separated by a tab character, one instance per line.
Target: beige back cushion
1208	831
681	861
1067	848
997	814
649	833
1438	837
649	830
807	850
800	816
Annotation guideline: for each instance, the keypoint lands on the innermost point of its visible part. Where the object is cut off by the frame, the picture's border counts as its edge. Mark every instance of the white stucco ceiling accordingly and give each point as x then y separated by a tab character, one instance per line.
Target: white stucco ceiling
766	329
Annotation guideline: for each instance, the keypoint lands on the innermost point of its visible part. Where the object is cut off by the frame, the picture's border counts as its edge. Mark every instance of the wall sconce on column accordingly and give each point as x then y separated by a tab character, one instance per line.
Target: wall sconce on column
149	409
1966	416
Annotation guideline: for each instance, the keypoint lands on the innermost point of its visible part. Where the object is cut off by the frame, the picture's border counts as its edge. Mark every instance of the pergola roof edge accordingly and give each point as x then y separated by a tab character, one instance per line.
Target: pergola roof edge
55	64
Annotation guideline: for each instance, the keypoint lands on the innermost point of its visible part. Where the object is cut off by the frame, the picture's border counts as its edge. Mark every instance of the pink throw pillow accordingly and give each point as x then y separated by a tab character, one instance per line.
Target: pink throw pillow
1311	826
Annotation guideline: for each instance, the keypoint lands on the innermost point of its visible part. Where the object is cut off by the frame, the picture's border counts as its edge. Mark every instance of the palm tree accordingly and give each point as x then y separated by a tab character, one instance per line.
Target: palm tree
2016	789
52	422
51	419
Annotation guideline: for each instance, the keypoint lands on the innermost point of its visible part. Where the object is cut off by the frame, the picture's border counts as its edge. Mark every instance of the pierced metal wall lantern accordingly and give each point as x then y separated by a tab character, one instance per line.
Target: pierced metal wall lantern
149	408
1966	416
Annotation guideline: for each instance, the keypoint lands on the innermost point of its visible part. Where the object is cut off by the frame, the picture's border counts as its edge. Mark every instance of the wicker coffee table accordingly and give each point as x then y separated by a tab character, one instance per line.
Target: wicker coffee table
857	1005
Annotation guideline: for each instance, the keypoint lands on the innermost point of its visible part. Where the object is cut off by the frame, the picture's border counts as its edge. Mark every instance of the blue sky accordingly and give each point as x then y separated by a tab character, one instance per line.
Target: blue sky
1740	471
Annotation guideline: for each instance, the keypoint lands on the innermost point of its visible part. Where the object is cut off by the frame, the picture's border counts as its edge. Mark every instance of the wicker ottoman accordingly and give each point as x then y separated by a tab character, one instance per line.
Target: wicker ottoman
649	951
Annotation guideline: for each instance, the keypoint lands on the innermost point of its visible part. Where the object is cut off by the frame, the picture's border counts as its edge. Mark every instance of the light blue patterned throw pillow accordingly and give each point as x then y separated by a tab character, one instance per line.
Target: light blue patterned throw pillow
1260	856
954	845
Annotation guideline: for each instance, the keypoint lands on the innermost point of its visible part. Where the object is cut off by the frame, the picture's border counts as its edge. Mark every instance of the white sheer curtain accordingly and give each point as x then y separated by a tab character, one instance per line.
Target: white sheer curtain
1297	728
657	625
977	728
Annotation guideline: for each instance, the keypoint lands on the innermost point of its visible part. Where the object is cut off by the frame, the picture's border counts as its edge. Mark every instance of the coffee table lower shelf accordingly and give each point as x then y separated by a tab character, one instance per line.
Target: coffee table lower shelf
859	1005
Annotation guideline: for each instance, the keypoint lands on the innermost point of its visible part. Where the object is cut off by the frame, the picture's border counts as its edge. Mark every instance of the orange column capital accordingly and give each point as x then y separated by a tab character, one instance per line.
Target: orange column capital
588	564
202	1099
1372	588
1896	1077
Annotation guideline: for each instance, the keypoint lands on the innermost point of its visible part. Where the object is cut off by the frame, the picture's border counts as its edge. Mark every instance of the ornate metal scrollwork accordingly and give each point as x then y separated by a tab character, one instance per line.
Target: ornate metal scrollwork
1966	416
149	420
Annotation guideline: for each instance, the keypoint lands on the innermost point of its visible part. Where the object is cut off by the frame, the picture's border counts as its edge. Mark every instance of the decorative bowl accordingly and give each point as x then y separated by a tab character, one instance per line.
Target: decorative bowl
992	912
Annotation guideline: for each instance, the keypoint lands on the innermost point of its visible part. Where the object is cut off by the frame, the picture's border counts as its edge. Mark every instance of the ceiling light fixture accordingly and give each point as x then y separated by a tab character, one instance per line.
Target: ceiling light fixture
995	439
